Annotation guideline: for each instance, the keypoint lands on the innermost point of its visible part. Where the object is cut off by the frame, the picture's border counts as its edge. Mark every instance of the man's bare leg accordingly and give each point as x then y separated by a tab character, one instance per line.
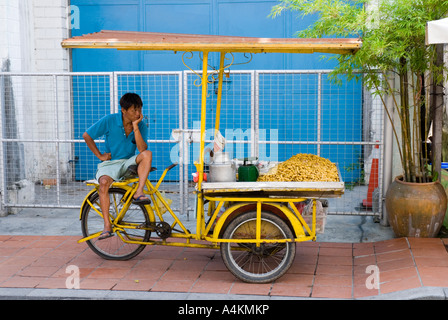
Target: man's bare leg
144	162
103	191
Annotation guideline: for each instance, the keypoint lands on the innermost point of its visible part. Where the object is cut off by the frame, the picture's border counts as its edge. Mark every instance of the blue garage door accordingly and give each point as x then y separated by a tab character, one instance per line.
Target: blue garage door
218	17
215	17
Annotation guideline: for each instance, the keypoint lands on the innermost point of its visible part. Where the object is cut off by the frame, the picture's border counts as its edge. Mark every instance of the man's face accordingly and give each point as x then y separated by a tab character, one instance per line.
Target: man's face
133	113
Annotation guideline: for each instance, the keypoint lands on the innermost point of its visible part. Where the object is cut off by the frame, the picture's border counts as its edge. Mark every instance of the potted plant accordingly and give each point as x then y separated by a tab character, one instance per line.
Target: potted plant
393	49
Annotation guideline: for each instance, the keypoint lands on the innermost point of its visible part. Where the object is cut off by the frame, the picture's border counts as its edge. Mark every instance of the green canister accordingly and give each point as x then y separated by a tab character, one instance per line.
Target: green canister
248	172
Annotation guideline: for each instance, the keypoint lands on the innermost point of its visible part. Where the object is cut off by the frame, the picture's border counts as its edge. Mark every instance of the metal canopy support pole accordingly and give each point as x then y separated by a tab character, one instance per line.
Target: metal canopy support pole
219	97
200	166
203	119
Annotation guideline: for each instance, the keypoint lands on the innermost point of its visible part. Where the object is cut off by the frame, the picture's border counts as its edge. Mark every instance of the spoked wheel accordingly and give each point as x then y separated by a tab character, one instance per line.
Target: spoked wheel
114	248
262	264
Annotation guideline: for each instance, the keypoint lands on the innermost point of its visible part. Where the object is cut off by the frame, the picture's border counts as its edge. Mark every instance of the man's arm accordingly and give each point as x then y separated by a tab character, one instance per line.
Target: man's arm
139	140
92	146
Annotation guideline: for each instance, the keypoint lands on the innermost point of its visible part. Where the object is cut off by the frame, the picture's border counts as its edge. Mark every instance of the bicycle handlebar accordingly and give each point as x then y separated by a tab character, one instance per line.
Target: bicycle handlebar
171	166
164	174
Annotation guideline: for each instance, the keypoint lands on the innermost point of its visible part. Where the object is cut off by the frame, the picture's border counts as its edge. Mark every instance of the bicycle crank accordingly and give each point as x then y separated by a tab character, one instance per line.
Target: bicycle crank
163	230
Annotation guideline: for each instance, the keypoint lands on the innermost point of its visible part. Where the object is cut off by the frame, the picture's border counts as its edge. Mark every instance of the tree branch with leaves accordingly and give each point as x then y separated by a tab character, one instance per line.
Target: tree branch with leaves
393	46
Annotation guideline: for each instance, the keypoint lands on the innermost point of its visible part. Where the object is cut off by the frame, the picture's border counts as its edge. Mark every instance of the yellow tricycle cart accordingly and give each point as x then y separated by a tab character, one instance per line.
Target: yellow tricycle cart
256	225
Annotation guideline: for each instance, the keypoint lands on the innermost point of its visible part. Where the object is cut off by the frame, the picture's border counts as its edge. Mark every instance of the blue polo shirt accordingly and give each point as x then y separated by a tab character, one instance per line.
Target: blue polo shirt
116	142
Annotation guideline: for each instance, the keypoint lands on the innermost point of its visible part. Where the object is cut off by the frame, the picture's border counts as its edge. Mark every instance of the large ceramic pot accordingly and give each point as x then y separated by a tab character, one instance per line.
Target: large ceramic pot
416	209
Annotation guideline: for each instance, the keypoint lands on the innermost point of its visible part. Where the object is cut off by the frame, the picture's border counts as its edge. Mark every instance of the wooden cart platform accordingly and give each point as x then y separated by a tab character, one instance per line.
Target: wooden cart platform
312	190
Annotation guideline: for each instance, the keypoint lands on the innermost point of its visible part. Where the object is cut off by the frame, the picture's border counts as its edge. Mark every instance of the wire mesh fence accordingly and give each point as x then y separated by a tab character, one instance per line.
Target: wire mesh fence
270	115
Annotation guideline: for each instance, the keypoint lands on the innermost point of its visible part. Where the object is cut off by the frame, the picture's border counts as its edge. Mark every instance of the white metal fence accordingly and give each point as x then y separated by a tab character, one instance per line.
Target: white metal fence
271	115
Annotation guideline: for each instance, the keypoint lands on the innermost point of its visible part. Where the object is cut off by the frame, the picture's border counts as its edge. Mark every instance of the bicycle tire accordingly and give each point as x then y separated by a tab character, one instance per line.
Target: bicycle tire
114	248
262	264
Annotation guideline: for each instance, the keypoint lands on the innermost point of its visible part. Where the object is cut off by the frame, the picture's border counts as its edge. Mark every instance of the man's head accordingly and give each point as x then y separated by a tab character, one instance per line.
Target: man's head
131	99
131	106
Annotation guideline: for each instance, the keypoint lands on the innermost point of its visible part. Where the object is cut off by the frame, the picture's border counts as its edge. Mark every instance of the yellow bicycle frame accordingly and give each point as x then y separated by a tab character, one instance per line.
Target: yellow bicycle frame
302	231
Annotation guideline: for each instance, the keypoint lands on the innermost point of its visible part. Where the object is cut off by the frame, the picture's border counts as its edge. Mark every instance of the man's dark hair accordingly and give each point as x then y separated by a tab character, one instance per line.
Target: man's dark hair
130	99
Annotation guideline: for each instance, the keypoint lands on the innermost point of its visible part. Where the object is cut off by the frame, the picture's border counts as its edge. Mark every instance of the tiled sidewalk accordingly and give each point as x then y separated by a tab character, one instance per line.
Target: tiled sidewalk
320	270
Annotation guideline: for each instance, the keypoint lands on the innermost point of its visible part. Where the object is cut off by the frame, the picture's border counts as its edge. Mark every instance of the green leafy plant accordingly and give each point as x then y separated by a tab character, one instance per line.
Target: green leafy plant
393	49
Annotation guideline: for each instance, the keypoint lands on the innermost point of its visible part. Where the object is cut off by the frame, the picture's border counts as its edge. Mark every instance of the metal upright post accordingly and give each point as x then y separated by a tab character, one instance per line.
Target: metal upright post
200	165
56	109
2	154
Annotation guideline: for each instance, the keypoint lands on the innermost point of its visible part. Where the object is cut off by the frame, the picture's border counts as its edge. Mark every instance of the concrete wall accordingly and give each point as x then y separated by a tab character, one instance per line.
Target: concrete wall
30	35
31	32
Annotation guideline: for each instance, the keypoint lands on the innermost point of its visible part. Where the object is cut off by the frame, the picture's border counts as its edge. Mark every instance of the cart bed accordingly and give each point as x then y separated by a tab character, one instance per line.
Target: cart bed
288	189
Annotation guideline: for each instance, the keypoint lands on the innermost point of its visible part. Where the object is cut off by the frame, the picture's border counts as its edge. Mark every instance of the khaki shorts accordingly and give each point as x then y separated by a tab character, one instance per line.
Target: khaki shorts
114	168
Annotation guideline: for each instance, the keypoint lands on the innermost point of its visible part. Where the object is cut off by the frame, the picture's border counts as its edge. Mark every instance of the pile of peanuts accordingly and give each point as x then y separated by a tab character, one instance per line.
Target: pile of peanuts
303	167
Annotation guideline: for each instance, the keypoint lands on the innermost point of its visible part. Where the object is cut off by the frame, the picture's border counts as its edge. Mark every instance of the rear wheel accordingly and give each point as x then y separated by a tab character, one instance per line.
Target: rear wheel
114	248
263	263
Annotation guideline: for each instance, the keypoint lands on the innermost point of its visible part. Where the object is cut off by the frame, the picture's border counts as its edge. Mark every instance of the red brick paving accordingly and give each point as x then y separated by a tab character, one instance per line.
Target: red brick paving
320	270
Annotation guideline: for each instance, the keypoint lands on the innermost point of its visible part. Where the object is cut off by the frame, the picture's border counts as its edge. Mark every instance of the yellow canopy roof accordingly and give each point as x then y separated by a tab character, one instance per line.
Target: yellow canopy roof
131	40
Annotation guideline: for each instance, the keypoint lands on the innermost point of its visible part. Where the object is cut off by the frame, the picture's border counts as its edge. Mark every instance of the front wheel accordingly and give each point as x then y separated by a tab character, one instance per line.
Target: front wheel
118	247
258	264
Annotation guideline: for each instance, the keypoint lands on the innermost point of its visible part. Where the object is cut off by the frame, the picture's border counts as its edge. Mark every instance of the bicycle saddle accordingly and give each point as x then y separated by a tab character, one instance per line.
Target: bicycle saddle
132	172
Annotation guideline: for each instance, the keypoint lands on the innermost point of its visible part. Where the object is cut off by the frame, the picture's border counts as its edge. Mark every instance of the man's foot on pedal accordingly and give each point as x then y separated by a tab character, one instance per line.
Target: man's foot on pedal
105	235
141	200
